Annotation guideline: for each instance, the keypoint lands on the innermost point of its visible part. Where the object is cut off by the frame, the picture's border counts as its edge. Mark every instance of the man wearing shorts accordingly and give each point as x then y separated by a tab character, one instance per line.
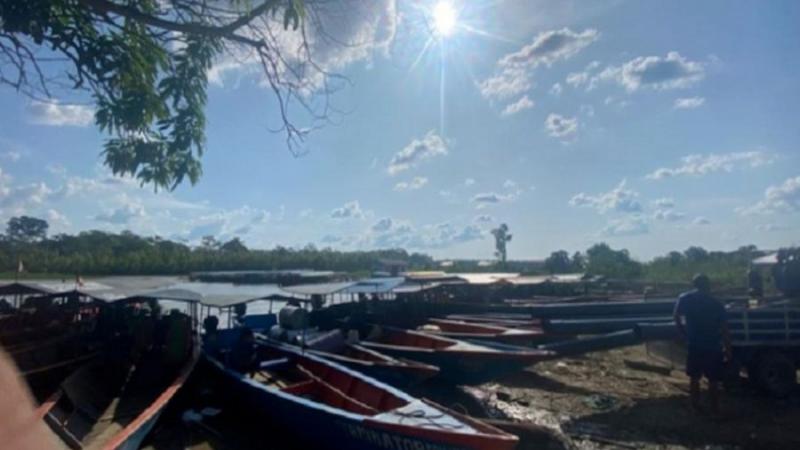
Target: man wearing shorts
700	319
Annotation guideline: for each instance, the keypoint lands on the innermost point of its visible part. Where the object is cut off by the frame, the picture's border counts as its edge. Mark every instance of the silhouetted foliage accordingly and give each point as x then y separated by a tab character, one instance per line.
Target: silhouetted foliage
26	229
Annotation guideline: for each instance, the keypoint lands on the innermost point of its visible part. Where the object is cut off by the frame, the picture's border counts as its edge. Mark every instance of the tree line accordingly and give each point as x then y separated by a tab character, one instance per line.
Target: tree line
100	252
105	253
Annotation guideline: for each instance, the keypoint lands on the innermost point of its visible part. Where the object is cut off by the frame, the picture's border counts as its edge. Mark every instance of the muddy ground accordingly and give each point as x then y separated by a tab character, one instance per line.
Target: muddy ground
625	399
620	399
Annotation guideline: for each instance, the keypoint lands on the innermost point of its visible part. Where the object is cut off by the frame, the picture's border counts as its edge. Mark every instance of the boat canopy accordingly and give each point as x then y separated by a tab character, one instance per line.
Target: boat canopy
374	286
318	288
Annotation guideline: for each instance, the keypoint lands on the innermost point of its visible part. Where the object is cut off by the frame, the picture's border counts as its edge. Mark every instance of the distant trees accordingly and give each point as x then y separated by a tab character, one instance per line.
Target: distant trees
126	253
558	262
603	260
26	229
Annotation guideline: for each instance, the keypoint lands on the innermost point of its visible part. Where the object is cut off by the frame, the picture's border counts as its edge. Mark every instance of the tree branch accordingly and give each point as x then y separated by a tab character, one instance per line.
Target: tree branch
224	31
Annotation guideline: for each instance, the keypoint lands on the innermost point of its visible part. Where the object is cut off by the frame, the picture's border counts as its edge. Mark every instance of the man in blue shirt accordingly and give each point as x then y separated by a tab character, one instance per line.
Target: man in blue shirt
706	334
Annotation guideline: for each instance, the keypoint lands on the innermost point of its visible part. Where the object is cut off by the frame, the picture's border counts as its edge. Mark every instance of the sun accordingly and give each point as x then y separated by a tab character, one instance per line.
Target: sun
445	19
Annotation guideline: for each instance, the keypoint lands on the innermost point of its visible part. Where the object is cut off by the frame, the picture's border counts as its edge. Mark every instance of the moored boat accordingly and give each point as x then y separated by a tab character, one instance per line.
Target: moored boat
460	361
395	371
482	331
330	406
115	400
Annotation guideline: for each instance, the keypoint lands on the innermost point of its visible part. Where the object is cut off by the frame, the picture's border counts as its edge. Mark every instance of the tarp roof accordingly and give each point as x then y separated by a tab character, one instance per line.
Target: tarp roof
226	301
485	278
410	288
766	260
318	288
374	285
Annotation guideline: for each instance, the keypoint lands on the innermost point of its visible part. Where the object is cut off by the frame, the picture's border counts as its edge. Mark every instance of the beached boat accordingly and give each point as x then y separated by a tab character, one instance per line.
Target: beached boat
482	331
115	400
523	321
395	371
460	361
330	406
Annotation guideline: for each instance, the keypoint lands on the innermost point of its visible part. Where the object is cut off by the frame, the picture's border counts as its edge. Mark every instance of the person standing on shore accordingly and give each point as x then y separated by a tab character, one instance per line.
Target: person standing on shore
708	342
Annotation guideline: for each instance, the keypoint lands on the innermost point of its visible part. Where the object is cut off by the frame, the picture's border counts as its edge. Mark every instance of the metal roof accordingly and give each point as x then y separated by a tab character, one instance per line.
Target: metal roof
410	288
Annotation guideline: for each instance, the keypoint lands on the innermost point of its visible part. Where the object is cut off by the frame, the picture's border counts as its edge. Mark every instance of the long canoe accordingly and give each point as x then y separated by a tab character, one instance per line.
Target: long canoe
459	361
326	405
464	330
398	372
94	409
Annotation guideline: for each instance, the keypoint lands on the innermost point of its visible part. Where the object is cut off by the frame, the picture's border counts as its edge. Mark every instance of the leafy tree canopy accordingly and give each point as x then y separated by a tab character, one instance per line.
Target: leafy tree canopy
144	64
26	229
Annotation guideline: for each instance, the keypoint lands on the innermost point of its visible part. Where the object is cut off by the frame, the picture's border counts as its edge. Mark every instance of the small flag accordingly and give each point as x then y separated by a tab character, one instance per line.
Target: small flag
20	266
78	281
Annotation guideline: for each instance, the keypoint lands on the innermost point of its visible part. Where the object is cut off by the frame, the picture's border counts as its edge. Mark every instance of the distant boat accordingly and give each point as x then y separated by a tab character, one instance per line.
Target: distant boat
523	321
463	362
395	371
483	331
330	406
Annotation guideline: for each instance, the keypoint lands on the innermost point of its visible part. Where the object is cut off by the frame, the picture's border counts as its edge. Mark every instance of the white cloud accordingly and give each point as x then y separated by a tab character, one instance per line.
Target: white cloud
700	221
122	215
520	105
578	79
626	226
689	103
618	199
507	83
483	218
561	127
485	199
513	74
57	114
671	72
350	210
771	227
430	146
696	165
338	34
664	203
668	215
438	236
414	184
781	198
11	155
550	46
509	184
382	225
556	89
305	213
469	182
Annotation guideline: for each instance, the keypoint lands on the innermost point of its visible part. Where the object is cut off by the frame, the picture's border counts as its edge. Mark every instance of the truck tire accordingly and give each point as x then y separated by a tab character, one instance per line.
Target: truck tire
777	374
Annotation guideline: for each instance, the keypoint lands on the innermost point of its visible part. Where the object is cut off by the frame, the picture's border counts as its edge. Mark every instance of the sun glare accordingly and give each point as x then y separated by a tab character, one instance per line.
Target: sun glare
444	18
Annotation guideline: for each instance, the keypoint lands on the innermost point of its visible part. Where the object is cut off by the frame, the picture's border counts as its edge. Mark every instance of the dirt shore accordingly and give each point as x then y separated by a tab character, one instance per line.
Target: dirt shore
625	399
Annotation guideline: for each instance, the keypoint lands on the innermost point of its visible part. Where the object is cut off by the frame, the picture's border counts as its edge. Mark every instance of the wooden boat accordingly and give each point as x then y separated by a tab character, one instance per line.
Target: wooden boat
327	405
463	362
464	330
395	371
522	321
114	401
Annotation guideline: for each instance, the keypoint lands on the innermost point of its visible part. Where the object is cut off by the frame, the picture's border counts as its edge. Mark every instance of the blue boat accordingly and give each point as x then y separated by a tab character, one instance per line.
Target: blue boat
327	405
459	361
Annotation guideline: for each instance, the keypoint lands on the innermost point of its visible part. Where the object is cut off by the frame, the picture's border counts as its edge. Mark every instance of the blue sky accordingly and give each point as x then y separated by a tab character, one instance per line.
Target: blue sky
649	125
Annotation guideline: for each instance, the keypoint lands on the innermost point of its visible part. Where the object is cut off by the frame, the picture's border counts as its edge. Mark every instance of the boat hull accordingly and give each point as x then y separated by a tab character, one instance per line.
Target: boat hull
395	374
321	426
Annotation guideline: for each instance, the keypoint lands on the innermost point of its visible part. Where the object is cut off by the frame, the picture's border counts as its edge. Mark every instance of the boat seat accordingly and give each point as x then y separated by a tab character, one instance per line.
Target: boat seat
272	363
300	389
